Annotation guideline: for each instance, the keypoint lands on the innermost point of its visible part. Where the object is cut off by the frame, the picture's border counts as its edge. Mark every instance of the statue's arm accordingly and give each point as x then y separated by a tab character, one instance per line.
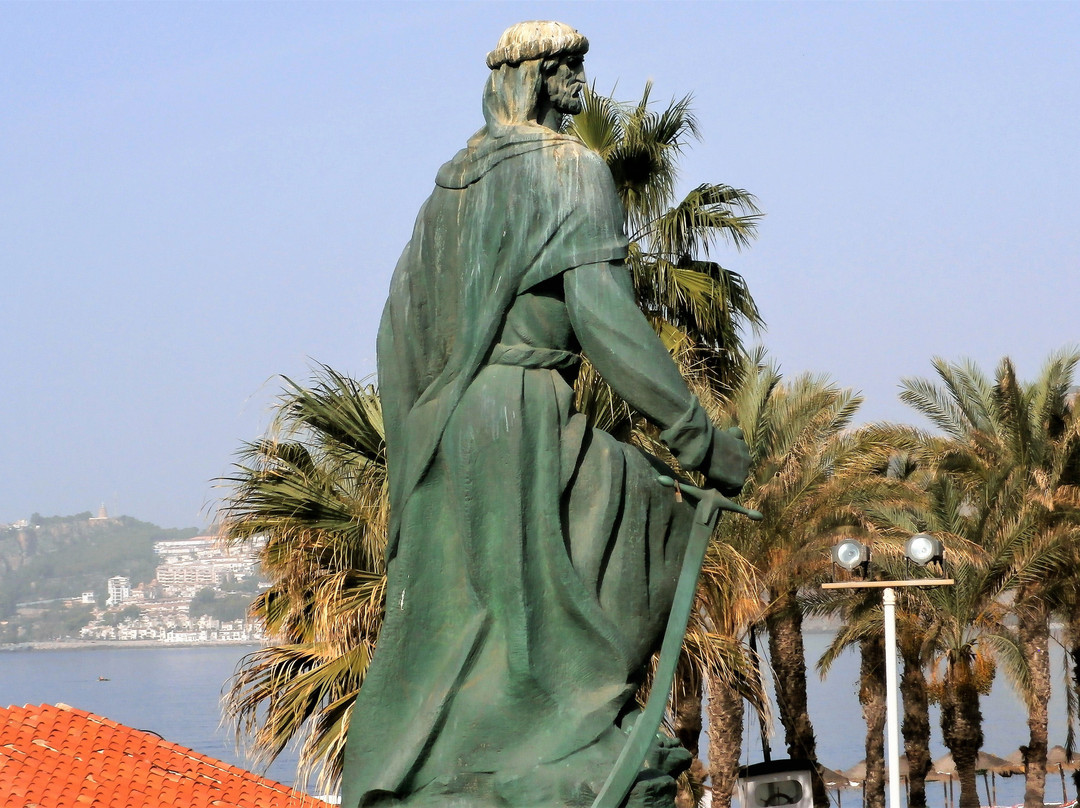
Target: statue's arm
625	350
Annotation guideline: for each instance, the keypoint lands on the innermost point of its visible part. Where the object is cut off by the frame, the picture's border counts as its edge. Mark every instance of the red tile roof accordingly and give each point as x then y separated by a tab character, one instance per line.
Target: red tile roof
55	755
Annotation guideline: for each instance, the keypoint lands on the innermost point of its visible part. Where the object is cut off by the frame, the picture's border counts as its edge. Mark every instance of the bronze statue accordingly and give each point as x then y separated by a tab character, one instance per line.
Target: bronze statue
532	558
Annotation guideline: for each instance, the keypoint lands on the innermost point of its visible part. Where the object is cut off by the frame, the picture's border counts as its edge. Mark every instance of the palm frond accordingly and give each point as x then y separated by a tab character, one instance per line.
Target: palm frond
311	497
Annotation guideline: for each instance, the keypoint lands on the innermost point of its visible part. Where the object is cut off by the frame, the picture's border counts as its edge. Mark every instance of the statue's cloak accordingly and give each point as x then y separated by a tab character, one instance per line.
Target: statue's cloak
530	571
506	215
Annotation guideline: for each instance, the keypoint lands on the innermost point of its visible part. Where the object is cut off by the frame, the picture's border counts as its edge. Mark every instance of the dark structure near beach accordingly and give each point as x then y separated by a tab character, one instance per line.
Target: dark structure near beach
533	559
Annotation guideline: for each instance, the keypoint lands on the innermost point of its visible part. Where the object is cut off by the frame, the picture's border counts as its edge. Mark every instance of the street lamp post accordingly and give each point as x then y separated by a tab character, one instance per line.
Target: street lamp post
892	707
922	549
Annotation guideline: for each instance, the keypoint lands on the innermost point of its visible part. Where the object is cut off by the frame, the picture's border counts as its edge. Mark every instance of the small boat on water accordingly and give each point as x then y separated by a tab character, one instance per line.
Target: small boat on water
103	678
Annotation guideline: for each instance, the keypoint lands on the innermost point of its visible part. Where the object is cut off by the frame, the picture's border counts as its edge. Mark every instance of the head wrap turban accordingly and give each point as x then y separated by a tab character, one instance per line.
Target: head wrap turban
536	39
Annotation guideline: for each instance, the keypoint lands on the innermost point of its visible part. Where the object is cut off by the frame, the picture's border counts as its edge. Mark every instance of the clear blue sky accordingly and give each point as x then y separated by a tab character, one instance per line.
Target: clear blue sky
197	197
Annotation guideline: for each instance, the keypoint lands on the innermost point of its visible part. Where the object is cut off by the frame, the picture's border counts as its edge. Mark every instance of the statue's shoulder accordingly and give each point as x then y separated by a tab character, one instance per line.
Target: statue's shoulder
569	146
574	159
535	144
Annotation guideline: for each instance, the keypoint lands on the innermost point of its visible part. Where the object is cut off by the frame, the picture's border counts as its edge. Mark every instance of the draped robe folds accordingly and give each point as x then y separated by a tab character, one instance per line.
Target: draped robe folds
532	558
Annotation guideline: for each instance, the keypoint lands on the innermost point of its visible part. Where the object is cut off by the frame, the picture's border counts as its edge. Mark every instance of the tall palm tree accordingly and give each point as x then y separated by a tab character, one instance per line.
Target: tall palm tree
1018	457
888	459
699	308
956	630
965	628
312	498
860	612
914	465
728	606
809	478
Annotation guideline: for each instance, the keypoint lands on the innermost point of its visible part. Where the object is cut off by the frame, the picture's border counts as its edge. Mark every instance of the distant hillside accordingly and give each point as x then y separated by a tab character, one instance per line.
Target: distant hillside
63	556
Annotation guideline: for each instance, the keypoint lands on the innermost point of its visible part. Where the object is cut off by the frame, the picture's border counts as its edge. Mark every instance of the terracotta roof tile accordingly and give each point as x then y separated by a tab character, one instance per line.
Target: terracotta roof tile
59	755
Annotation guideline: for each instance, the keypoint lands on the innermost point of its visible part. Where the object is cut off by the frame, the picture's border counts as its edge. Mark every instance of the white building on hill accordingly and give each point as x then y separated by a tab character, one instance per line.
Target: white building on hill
119	590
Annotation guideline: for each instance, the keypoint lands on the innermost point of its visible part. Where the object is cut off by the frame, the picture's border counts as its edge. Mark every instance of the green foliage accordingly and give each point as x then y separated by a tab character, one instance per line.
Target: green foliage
699	308
248	585
55	621
1007	492
200	601
811	474
37	520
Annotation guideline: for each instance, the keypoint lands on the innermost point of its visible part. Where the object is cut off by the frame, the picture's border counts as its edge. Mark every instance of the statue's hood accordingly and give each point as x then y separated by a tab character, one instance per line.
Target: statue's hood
484	152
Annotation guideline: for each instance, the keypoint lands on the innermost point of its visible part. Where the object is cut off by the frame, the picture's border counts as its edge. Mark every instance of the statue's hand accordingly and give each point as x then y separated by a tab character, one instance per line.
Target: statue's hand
728	461
722	456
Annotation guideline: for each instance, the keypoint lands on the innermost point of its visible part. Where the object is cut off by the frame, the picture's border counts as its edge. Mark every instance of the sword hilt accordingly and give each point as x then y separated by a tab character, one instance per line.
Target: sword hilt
716	500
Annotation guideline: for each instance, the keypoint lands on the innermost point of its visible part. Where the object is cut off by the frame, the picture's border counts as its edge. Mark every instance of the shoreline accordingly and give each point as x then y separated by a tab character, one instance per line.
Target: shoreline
89	645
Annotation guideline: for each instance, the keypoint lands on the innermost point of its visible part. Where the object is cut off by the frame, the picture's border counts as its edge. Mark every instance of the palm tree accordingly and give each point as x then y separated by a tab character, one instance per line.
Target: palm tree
888	460
957	630
728	606
809	478
1018	457
699	308
862	628
312	498
965	628
913	465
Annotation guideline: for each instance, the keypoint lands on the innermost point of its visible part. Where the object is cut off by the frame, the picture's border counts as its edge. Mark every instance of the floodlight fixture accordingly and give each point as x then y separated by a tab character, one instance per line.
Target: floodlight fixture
850	554
922	548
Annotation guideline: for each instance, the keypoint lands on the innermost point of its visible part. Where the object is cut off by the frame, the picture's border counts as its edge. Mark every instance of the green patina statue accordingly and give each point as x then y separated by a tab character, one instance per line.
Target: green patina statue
532	559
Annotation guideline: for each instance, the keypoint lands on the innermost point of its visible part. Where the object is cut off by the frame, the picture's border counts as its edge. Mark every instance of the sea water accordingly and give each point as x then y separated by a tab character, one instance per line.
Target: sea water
176	693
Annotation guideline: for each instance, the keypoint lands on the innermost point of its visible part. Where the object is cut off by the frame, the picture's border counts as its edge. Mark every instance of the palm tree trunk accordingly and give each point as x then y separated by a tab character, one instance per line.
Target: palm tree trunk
1034	629
873	699
687	727
961	725
789	667
916	726
726	710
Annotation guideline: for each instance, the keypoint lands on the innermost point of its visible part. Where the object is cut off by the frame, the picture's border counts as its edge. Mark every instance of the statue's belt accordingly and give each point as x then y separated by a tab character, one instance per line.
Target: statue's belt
528	356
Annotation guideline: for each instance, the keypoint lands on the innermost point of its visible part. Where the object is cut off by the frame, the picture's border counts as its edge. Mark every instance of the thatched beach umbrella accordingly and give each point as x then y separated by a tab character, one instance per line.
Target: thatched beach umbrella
836	781
1057	758
857	772
985	762
945	768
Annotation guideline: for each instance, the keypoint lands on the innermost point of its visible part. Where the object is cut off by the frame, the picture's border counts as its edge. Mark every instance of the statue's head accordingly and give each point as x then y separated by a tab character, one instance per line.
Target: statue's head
536	67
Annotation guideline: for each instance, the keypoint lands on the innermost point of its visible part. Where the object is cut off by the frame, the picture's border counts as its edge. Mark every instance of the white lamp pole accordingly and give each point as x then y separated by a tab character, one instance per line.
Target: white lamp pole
892	708
892	700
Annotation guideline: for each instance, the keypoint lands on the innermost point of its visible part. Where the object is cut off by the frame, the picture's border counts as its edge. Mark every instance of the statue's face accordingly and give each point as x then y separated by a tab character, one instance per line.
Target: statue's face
566	83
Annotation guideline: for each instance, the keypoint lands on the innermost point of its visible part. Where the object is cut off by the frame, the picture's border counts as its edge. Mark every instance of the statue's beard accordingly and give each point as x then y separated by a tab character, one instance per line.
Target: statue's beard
568	102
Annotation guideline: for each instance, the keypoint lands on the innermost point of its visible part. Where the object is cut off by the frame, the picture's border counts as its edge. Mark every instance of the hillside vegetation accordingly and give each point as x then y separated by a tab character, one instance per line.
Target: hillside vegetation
63	556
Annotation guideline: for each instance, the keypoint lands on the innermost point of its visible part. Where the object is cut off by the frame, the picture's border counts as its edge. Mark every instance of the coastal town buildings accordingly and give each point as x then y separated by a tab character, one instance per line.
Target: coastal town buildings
161	609
193	564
